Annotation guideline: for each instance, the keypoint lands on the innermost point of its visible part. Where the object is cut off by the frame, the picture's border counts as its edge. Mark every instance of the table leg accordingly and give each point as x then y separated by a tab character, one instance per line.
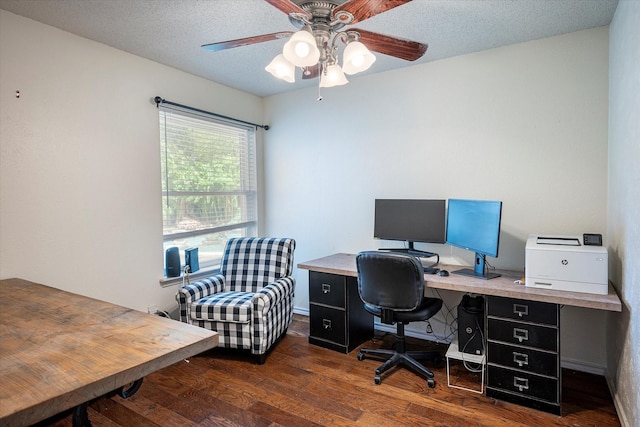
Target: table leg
81	417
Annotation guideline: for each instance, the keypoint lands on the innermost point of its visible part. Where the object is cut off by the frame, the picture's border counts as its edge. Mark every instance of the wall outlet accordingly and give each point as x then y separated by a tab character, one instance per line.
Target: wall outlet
152	309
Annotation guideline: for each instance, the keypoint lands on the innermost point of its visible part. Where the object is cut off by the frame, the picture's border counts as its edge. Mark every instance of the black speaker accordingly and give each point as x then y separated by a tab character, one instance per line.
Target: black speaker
172	262
471	325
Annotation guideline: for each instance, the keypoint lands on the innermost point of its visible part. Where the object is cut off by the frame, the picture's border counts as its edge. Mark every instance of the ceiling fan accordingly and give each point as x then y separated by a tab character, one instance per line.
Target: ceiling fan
321	26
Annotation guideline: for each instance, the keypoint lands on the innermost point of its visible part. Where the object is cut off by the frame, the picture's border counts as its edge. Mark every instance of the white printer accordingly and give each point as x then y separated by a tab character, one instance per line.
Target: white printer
564	263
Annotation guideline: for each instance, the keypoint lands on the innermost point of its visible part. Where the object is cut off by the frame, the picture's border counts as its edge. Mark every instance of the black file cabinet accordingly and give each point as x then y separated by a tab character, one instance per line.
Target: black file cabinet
337	318
523	353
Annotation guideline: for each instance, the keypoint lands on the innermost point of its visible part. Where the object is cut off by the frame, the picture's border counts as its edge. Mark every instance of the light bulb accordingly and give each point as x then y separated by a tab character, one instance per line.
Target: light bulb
357	58
333	76
302	49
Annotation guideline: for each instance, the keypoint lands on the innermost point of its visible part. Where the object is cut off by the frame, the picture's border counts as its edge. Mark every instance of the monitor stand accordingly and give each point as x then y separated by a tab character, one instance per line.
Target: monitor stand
411	250
479	271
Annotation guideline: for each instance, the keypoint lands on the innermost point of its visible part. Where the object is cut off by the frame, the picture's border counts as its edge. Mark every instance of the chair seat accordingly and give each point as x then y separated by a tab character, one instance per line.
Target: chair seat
428	307
230	307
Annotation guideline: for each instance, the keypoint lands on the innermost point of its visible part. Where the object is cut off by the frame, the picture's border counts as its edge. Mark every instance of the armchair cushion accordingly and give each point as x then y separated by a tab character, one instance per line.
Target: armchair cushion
224	307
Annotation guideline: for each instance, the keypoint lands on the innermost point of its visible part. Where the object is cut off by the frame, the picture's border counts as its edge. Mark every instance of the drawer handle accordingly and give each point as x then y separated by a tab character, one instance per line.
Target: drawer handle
326	324
520	359
521	383
326	288
521	334
521	309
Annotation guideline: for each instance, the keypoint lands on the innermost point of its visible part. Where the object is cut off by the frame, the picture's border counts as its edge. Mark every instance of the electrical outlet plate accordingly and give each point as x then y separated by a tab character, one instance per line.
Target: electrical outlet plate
152	309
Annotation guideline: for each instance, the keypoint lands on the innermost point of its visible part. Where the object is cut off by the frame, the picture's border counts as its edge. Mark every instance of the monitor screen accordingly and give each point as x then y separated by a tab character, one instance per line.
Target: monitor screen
410	220
474	225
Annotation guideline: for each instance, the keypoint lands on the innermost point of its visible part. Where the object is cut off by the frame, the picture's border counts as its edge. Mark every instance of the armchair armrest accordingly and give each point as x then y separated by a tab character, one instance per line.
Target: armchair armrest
195	291
274	292
272	313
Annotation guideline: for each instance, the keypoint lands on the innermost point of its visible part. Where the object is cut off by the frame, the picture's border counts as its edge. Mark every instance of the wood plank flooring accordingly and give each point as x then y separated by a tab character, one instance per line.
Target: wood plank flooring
305	385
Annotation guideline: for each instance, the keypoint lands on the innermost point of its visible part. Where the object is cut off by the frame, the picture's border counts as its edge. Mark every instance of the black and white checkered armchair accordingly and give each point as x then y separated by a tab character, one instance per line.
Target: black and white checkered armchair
250	303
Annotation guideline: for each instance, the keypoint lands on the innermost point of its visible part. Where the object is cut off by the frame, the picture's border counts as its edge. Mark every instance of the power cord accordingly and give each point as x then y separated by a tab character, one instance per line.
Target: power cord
187	270
449	321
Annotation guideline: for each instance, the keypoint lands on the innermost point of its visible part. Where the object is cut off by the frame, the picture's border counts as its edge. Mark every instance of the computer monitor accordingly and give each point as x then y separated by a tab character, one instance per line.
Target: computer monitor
474	225
410	220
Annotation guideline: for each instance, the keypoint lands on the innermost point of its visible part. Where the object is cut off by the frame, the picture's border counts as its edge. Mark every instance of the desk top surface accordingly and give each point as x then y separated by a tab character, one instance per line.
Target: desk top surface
59	349
503	286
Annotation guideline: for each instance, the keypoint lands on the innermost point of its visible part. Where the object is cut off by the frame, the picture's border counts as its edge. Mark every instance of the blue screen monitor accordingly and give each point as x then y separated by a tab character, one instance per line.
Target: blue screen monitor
474	225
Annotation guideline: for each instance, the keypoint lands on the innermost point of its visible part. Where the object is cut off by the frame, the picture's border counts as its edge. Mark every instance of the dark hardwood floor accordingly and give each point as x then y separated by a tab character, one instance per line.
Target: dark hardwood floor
305	385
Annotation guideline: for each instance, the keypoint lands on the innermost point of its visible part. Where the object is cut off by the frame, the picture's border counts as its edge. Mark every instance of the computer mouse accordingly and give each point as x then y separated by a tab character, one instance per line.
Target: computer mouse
443	273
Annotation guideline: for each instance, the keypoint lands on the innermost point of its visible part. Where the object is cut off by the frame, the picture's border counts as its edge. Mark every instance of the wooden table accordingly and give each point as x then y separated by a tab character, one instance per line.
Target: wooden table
59	350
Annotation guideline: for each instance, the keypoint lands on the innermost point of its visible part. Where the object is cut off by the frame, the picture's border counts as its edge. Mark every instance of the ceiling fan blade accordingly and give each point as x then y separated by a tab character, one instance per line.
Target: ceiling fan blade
288	7
214	47
392	46
365	9
311	72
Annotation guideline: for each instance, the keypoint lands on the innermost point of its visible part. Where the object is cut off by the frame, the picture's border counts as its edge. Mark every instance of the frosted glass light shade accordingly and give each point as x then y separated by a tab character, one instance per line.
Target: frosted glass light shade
281	68
356	58
301	50
333	76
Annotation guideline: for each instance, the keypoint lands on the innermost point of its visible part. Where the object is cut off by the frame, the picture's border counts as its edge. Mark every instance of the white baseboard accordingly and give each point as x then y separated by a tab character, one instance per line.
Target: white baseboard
578	365
409	332
301	311
622	415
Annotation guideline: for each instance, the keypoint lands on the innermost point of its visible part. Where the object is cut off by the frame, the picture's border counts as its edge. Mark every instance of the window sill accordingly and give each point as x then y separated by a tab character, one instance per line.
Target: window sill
166	282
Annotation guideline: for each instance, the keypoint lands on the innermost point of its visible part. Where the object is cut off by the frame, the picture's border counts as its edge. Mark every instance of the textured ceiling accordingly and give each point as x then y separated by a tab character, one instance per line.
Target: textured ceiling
171	31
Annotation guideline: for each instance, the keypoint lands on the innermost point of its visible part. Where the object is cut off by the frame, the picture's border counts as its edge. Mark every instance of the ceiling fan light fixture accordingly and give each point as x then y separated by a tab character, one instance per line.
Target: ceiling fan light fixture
282	69
332	76
357	58
301	50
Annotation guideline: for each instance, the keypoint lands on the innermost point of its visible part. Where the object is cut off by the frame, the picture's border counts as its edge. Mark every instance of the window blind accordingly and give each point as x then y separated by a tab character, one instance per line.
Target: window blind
209	184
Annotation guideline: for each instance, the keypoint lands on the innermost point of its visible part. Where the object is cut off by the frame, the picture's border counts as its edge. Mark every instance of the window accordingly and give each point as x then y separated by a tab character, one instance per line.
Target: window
209	189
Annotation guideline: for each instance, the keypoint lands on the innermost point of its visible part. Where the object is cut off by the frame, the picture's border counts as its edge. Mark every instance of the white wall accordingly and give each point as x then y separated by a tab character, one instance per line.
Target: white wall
80	196
525	124
623	363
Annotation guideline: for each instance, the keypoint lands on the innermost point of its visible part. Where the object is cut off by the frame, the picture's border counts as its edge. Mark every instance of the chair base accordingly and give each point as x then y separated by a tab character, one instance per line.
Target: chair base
409	359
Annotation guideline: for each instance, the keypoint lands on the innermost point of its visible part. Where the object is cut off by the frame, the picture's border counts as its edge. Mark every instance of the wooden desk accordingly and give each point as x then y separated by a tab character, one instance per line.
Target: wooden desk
522	326
345	265
59	350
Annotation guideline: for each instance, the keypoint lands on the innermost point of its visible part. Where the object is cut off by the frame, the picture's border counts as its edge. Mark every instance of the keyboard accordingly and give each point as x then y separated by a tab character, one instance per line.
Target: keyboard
431	270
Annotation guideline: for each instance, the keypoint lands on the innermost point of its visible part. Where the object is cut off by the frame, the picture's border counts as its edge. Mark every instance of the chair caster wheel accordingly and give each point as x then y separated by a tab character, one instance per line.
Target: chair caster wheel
377	380
361	356
431	383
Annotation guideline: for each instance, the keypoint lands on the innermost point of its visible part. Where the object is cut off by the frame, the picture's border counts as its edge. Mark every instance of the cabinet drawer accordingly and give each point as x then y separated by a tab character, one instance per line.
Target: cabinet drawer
527	311
523	334
523	358
328	289
327	323
523	383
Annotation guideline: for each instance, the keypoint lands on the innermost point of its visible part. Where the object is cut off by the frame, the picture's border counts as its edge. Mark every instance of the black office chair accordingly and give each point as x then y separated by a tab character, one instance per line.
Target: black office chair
391	285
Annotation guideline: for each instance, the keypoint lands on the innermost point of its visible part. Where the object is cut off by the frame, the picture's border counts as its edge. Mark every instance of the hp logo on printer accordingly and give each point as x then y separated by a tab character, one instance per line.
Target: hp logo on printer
565	262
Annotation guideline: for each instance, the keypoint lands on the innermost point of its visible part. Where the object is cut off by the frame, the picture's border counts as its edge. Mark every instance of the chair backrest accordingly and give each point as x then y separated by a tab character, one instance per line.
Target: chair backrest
250	263
390	280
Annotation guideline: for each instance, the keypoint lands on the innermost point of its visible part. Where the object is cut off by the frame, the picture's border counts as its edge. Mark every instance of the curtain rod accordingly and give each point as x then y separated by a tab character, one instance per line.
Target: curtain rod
159	101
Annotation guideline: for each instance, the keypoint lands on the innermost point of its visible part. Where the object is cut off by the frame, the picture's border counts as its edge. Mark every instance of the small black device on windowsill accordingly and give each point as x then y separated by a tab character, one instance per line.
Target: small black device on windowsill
590	239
